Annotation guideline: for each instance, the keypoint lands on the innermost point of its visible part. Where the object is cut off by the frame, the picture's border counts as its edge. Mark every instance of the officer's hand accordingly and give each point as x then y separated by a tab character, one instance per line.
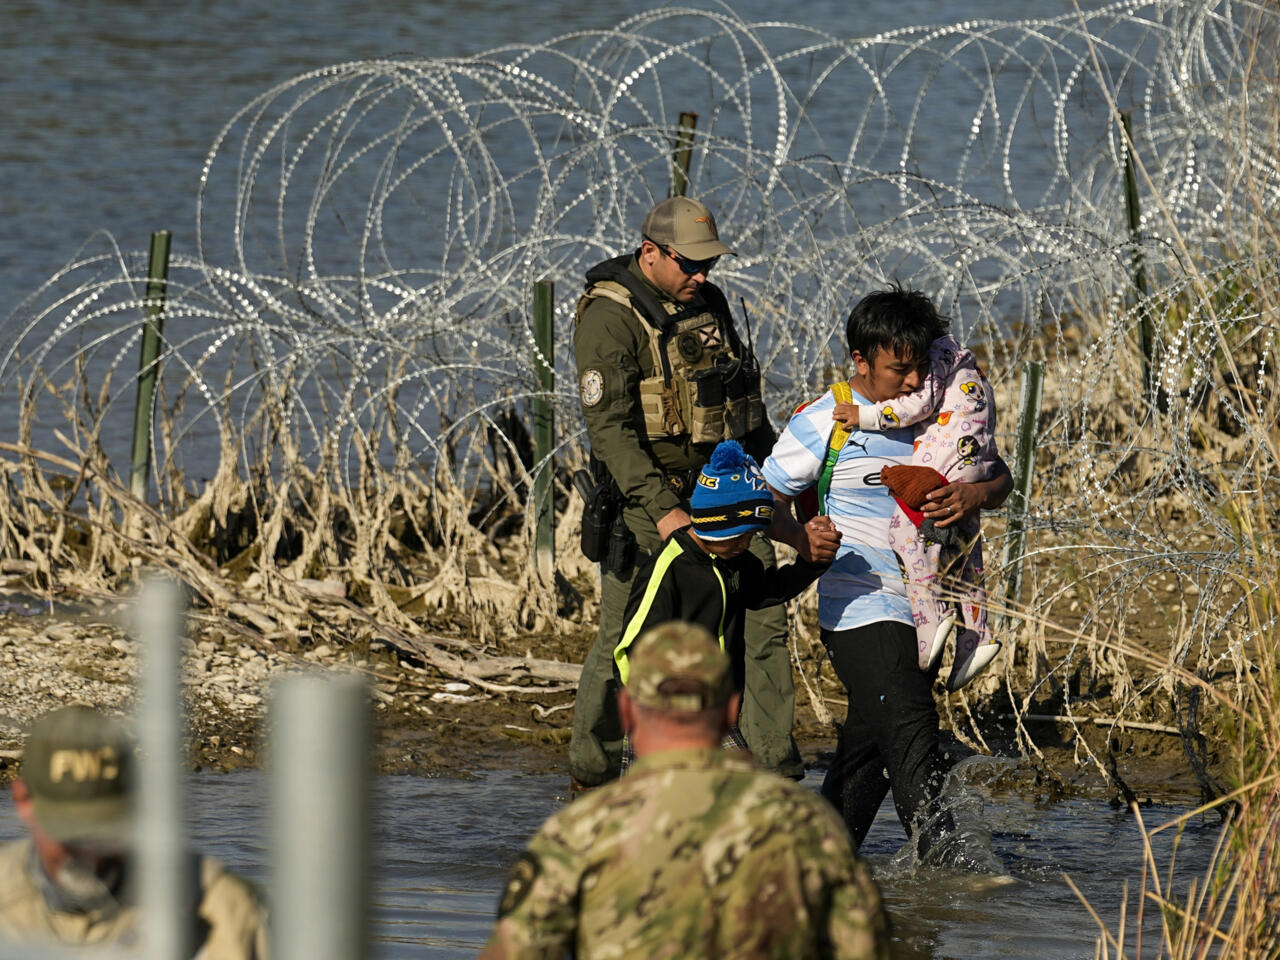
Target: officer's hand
821	540
672	521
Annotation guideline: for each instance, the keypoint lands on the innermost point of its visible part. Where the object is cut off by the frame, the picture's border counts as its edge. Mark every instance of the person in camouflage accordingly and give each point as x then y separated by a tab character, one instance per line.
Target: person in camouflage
663	376
695	853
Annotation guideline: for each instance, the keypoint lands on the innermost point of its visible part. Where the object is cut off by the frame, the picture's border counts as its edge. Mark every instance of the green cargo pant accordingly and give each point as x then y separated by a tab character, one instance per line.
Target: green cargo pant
768	703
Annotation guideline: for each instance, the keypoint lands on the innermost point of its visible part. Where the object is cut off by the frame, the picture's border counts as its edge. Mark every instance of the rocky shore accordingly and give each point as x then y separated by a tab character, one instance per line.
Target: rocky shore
424	724
429	724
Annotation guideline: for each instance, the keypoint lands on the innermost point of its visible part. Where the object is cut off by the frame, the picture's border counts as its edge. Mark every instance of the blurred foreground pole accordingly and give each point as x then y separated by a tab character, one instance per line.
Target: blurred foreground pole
164	862
1023	465
1146	333
320	818
149	364
683	154
544	428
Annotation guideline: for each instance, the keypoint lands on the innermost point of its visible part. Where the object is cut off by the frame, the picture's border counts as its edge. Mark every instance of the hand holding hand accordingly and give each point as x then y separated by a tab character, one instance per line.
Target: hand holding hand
821	540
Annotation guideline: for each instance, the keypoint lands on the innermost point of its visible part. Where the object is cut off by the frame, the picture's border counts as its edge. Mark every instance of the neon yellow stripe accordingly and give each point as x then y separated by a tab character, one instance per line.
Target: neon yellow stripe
665	559
724	601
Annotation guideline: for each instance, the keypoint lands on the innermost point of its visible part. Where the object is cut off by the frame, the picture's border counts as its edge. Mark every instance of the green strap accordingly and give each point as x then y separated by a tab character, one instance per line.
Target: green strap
629	635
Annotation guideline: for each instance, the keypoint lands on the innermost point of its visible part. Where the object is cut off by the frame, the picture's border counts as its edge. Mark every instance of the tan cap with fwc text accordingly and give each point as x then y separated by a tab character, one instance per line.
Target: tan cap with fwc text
678	666
686	226
78	766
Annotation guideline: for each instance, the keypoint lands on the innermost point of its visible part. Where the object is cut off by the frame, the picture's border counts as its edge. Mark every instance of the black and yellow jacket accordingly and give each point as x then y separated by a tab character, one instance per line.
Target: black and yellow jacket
684	582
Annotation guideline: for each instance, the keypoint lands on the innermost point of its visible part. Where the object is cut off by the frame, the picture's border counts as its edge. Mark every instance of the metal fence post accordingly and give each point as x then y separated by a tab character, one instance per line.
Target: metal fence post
320	818
163	854
1133	207
544	427
1023	467
149	363
683	153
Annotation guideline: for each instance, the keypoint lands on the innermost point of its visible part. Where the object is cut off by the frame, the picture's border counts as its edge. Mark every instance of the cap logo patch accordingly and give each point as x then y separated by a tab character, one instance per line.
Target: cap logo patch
706	220
81	765
711	483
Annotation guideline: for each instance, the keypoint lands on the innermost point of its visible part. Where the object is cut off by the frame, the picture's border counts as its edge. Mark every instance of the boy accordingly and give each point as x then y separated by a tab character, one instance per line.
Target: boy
704	573
954	412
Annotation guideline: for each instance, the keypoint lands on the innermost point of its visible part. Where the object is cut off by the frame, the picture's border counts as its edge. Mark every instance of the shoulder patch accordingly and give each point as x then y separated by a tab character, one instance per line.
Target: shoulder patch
591	387
519	883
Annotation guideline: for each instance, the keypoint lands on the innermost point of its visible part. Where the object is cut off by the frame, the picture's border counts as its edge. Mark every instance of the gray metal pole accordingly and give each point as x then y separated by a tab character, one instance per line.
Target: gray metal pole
320	817
166	893
1023	468
544	427
683	154
149	363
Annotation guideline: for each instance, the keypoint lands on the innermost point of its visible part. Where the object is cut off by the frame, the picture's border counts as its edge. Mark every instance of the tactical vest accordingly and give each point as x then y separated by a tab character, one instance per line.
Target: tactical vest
700	385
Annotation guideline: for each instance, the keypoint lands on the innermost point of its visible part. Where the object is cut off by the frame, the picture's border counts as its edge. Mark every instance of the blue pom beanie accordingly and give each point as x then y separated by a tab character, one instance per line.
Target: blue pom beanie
730	497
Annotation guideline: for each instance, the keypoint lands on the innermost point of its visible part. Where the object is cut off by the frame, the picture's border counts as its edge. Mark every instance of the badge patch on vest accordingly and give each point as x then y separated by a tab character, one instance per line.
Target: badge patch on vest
690	347
710	336
592	387
519	883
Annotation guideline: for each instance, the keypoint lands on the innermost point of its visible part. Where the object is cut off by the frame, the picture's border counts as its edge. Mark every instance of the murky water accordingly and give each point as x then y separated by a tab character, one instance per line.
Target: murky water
442	848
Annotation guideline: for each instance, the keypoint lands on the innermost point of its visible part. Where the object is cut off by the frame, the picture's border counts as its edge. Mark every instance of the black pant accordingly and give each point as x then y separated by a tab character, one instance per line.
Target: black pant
892	726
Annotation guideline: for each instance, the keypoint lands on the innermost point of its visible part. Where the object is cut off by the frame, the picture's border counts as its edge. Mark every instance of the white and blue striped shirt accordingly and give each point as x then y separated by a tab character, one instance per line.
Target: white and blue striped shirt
864	584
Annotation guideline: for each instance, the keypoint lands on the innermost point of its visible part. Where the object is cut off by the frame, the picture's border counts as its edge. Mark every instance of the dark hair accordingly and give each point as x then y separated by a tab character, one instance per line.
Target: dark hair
904	321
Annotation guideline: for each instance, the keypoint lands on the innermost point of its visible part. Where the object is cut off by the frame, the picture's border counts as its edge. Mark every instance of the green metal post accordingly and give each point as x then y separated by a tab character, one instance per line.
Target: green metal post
149	363
683	154
1146	333
544	426
1023	466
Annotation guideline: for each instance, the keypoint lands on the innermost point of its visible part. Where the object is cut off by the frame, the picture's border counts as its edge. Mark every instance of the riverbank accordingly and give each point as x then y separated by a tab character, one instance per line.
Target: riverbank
428	724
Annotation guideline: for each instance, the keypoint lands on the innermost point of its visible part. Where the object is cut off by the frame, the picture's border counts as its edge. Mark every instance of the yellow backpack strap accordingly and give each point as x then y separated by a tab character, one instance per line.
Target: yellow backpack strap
835	443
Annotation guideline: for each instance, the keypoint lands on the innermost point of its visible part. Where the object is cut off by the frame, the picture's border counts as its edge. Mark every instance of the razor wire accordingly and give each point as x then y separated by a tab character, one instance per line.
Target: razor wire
370	233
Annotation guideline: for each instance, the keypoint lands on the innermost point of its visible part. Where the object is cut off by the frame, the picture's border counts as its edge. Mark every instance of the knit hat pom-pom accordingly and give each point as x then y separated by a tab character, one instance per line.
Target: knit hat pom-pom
727	456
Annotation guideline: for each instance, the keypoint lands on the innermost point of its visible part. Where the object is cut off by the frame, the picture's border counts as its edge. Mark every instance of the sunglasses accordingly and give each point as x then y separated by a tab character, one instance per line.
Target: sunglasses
687	266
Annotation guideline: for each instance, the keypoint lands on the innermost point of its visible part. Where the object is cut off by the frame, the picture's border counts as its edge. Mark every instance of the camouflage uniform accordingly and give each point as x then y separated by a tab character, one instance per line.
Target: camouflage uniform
613	356
695	853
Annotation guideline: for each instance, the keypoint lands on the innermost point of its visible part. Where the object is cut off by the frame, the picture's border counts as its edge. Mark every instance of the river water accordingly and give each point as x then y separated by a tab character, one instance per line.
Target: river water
110	112
442	848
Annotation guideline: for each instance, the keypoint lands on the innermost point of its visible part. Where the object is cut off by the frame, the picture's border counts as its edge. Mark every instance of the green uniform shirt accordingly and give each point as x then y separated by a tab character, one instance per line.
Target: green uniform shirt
611	348
695	853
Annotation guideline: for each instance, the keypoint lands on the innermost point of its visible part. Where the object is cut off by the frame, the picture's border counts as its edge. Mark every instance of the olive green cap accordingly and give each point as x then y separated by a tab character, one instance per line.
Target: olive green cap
686	226
678	666
78	765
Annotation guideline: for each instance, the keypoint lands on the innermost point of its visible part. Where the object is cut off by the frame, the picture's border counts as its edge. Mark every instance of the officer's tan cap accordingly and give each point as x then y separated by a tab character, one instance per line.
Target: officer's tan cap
78	766
678	666
687	227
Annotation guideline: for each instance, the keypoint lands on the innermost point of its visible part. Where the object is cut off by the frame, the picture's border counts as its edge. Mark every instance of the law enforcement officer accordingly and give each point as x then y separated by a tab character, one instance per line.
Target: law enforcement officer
695	853
663	376
70	883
